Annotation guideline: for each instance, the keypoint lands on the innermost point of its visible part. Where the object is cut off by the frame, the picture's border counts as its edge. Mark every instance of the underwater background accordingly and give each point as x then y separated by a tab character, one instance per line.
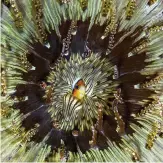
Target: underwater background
81	80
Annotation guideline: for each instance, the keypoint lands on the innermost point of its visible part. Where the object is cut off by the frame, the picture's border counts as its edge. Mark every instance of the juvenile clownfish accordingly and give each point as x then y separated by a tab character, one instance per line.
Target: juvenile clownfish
79	89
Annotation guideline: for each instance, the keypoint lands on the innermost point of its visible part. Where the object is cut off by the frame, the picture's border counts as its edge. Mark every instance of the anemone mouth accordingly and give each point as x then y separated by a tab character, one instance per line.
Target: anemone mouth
82	80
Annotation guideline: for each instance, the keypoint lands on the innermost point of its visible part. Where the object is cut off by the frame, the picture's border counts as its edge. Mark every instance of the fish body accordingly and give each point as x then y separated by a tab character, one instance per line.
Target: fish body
79	89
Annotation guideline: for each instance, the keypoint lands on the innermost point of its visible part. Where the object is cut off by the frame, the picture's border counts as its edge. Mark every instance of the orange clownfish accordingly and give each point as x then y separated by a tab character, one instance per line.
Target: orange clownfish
79	89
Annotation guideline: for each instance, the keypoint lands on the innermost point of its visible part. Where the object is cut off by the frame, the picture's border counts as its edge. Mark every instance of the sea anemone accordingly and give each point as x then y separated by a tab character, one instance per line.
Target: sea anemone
77	85
81	80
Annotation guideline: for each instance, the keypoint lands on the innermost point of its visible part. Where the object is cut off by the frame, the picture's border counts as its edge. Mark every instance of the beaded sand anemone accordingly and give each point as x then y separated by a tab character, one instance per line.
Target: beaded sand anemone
81	80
